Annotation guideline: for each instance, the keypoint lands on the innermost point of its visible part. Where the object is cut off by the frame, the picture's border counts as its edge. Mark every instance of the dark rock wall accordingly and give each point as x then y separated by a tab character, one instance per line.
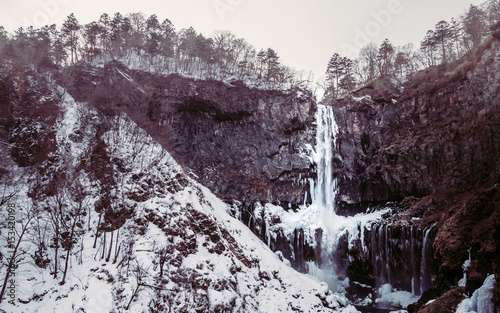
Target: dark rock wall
422	139
242	143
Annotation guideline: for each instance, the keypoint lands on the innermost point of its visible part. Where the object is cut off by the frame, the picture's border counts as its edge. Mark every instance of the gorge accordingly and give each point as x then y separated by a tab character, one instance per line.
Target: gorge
146	192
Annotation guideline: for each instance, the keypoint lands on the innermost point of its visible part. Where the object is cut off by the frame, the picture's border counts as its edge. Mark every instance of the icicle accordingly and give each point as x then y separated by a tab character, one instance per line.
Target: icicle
268	233
312	188
412	258
363	246
387	258
465	268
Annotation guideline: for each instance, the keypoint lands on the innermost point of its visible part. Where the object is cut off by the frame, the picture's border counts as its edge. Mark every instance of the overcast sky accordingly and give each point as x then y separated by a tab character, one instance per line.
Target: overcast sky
304	33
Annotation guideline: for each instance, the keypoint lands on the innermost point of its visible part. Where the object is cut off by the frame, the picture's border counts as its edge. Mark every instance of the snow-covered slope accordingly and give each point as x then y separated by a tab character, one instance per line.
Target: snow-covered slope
164	243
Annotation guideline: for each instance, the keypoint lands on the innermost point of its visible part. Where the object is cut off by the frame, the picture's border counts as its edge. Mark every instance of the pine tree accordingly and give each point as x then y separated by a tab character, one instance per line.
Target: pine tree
339	74
272	61
385	58
442	35
105	32
3	38
168	38
91	36
120	34
204	48
137	31
333	72
261	60
70	29
187	45
456	29
400	63
474	25
493	12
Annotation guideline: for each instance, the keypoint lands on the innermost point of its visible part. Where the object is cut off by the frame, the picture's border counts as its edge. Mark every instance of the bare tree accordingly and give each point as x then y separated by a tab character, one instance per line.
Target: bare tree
369	61
73	222
16	251
140	273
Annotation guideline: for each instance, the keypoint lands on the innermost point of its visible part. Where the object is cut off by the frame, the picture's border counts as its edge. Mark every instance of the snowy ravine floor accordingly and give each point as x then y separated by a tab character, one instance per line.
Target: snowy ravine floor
212	262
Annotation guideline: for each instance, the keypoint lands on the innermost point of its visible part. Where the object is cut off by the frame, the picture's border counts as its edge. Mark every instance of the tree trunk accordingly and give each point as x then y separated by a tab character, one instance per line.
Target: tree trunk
70	246
63	281
56	256
103	246
110	247
97	230
117	246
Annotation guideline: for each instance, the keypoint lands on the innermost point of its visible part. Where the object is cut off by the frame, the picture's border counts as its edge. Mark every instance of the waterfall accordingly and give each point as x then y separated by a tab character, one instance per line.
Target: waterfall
425	283
363	248
324	189
323	192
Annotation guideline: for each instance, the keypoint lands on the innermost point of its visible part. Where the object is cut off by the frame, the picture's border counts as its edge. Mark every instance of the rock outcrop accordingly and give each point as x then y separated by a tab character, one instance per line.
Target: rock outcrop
242	143
442	129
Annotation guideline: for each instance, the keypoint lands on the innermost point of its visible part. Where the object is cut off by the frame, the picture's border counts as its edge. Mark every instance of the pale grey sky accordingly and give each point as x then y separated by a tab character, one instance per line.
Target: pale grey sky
304	33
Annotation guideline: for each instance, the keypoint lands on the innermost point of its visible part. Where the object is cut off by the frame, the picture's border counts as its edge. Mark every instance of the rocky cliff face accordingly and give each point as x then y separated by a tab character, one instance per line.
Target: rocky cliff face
242	143
140	234
442	129
435	144
441	133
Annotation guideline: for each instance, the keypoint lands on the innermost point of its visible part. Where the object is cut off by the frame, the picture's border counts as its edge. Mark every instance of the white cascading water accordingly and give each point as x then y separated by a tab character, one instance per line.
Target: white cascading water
425	283
324	189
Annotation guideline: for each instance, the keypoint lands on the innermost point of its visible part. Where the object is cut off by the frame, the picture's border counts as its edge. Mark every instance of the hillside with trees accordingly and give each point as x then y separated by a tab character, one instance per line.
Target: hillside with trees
149	44
449	42
149	169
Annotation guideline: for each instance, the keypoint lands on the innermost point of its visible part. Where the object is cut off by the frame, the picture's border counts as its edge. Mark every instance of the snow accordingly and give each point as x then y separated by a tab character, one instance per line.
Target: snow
309	218
480	302
85	288
67	124
361	99
465	306
246	276
221	298
397	298
267	262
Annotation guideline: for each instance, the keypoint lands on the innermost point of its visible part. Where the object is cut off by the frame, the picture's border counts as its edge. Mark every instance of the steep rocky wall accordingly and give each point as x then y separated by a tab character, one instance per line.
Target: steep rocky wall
242	143
442	129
